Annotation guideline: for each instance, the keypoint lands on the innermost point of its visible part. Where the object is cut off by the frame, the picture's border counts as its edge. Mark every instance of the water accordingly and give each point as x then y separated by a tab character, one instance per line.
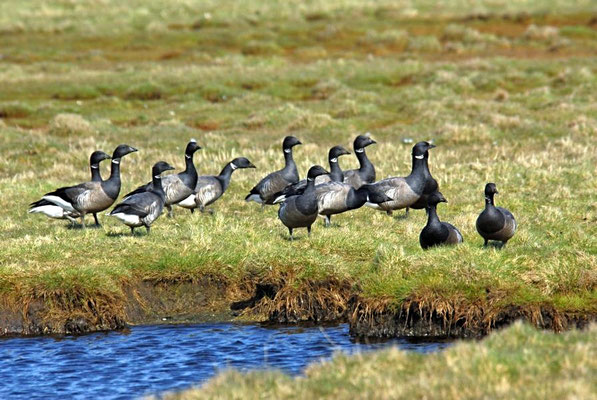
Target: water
153	359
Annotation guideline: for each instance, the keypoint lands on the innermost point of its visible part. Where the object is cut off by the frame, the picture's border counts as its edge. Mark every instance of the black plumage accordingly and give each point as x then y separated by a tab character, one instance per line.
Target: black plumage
495	223
143	208
437	232
300	211
264	192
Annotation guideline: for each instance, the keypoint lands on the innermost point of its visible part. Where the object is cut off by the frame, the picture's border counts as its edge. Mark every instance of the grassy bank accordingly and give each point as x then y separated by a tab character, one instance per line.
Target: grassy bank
518	363
507	92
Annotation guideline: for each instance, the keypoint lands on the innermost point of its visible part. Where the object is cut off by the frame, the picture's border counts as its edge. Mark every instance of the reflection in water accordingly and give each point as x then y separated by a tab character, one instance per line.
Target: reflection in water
153	359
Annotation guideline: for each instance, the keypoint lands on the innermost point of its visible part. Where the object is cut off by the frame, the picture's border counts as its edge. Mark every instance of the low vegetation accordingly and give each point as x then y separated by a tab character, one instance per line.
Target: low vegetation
517	363
505	90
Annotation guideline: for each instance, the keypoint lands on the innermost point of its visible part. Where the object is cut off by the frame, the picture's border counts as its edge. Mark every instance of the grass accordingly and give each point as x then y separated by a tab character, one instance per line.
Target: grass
506	91
517	363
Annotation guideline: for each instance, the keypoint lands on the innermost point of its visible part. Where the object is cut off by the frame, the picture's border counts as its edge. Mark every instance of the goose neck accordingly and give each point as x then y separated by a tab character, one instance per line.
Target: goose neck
115	170
432	218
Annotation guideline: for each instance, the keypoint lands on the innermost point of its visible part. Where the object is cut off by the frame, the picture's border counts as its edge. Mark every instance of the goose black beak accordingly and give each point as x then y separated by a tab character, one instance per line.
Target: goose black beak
251	166
133	150
372	141
431	146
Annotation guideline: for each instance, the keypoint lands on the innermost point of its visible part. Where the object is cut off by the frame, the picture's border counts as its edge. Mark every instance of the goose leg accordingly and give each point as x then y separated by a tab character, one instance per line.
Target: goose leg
148	229
328	221
72	220
291	237
96	220
132	231
170	214
83	221
192	210
486	242
389	212
309	231
406	214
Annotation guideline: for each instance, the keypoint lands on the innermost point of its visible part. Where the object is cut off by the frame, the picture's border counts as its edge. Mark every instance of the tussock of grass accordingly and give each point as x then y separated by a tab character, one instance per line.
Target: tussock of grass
519	362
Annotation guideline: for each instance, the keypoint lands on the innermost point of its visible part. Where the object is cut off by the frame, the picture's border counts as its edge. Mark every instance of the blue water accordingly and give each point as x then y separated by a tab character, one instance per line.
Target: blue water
153	359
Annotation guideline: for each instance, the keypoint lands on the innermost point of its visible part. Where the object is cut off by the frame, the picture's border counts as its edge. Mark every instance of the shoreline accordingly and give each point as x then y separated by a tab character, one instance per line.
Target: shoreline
267	300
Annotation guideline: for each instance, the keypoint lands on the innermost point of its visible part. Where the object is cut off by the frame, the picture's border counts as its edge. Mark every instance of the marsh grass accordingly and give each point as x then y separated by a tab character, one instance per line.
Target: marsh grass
508	108
517	363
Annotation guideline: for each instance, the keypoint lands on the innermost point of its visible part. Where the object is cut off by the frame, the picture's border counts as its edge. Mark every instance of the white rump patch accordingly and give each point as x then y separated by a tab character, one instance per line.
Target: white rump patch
359	150
60	202
50	211
373	205
189	202
255	198
128	219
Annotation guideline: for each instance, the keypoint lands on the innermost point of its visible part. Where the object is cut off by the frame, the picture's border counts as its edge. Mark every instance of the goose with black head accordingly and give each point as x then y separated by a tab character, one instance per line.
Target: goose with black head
94	196
300	211
495	223
210	188
264	192
177	186
51	210
143	208
366	171
436	232
405	191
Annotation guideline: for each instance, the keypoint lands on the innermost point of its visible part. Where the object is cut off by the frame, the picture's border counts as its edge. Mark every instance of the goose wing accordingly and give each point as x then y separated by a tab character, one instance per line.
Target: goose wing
331	197
454	236
208	190
140	204
353	178
269	186
72	198
175	189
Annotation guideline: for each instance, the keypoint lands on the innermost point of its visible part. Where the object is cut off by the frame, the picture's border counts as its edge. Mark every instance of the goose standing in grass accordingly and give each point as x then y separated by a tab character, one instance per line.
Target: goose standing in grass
495	223
437	232
51	210
143	208
337	197
431	186
91	197
336	175
264	192
366	172
300	211
211	188
405	191
177	186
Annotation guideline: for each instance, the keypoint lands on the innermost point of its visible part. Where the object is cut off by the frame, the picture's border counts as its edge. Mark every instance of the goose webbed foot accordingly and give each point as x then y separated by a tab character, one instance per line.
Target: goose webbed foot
290	232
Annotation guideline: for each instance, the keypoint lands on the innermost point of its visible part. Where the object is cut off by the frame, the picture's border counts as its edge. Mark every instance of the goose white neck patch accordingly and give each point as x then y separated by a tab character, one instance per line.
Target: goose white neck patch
309	179
334	159
157	177
187	156
116	161
233	166
419	157
359	150
95	166
286	150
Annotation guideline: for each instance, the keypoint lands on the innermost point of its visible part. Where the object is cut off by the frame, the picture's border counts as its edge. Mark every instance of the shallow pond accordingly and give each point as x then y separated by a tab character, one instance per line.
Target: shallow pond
153	359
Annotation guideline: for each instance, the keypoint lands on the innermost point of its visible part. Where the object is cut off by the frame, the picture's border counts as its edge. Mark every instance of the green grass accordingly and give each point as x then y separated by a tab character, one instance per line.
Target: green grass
517	363
503	101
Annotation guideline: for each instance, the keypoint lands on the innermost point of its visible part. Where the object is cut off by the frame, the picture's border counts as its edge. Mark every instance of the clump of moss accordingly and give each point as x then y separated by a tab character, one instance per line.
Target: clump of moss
423	43
260	48
69	124
145	91
15	109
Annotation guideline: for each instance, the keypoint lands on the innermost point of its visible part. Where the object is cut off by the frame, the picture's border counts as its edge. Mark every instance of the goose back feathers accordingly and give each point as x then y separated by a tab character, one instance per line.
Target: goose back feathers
264	192
366	172
495	223
142	209
437	232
